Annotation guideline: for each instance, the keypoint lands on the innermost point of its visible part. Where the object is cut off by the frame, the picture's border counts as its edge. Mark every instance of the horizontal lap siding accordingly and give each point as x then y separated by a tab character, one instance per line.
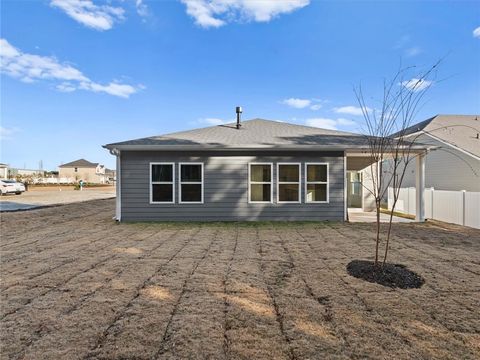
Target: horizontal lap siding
226	188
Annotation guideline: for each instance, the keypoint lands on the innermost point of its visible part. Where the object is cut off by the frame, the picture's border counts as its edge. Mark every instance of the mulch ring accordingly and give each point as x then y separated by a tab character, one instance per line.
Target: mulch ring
390	275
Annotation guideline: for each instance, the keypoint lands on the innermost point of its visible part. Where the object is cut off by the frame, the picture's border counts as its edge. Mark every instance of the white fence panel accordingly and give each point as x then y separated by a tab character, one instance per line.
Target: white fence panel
472	207
428	198
405	202
448	206
458	207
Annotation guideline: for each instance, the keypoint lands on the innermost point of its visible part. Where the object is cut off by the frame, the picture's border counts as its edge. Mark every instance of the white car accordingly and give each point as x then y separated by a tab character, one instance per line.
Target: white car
11	187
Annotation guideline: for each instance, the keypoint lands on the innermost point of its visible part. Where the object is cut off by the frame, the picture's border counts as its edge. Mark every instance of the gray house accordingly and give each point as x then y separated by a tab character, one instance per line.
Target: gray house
455	163
256	170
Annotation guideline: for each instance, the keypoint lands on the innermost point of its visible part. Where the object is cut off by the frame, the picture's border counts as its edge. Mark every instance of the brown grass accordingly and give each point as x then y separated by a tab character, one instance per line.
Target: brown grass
75	285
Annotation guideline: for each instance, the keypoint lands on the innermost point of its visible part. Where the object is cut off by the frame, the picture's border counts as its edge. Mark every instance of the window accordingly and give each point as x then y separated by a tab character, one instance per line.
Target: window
191	183
316	183
162	183
288	182
260	183
76	169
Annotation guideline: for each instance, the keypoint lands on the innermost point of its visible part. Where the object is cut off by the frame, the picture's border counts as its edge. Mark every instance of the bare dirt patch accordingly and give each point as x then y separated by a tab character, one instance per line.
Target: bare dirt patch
53	195
76	285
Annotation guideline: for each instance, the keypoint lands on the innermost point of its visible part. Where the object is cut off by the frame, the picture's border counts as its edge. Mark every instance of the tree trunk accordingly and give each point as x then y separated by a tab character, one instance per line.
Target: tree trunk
378	233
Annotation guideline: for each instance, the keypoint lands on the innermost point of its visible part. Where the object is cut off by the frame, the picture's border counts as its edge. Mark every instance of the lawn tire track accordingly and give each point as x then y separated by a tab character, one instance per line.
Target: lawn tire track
101	340
271	294
367	308
322	300
226	325
50	223
426	266
84	246
109	279
166	336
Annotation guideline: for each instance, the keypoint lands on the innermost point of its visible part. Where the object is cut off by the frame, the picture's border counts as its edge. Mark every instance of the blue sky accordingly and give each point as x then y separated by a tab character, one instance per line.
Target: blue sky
77	74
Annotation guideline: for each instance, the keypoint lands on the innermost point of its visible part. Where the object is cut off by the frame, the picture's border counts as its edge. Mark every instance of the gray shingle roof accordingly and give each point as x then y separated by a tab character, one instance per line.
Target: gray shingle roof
457	130
256	133
81	163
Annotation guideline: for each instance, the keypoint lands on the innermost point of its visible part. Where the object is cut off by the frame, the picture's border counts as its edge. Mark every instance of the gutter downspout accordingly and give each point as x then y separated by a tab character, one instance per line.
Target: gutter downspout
118	186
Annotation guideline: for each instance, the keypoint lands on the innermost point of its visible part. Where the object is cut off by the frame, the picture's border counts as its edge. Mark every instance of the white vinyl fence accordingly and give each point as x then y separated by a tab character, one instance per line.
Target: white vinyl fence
457	207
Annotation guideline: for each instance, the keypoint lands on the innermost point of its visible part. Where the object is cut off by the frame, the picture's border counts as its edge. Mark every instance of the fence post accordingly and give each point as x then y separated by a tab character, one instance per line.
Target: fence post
463	207
407	206
433	193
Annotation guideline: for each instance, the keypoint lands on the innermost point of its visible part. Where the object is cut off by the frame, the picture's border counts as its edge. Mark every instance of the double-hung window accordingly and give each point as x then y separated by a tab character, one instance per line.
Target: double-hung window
316	183
260	183
191	183
288	182
162	183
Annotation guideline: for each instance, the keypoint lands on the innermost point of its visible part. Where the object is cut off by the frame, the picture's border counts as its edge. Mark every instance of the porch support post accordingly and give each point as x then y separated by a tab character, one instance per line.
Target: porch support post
420	188
345	209
118	186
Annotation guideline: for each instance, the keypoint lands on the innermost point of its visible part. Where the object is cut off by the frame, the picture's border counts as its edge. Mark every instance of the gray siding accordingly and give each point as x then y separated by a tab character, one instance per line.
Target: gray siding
446	168
226	188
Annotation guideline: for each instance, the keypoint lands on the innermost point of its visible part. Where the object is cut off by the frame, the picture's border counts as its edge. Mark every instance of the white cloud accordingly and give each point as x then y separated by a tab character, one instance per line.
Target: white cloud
98	17
351	110
29	68
476	32
203	11
65	87
330	124
113	88
416	84
213	121
216	13
405	44
6	133
345	122
142	9
413	51
297	103
313	104
402	42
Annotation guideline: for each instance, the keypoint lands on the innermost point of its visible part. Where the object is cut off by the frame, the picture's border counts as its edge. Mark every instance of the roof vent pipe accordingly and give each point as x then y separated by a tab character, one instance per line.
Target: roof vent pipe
238	110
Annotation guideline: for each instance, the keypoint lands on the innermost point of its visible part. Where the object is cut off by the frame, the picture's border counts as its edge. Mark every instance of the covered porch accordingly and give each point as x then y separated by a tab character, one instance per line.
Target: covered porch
359	199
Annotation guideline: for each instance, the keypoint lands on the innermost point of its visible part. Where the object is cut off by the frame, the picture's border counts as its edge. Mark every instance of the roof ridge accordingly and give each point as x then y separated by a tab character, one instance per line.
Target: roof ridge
79	161
309	127
247	121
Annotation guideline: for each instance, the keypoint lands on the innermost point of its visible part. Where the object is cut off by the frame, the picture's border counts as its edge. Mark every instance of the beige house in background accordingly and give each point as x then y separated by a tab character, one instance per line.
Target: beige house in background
83	170
3	171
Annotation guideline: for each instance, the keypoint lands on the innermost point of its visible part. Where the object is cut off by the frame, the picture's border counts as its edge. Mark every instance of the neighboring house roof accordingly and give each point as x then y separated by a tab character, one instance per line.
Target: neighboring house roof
3	165
457	130
81	163
253	134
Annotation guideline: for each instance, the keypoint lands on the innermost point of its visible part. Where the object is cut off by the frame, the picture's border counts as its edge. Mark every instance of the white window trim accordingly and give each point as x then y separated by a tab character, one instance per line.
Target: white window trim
180	183
317	182
162	182
299	183
260	182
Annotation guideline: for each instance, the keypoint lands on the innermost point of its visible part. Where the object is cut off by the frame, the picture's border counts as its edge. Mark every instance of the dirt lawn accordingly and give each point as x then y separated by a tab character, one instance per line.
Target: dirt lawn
75	285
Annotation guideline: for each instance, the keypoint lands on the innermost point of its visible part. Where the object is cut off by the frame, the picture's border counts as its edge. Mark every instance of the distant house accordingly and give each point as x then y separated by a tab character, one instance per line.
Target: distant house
14	172
109	175
255	170
3	171
455	163
83	170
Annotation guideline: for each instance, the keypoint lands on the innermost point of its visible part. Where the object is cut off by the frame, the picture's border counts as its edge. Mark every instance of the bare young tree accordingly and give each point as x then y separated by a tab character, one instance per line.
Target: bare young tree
390	151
